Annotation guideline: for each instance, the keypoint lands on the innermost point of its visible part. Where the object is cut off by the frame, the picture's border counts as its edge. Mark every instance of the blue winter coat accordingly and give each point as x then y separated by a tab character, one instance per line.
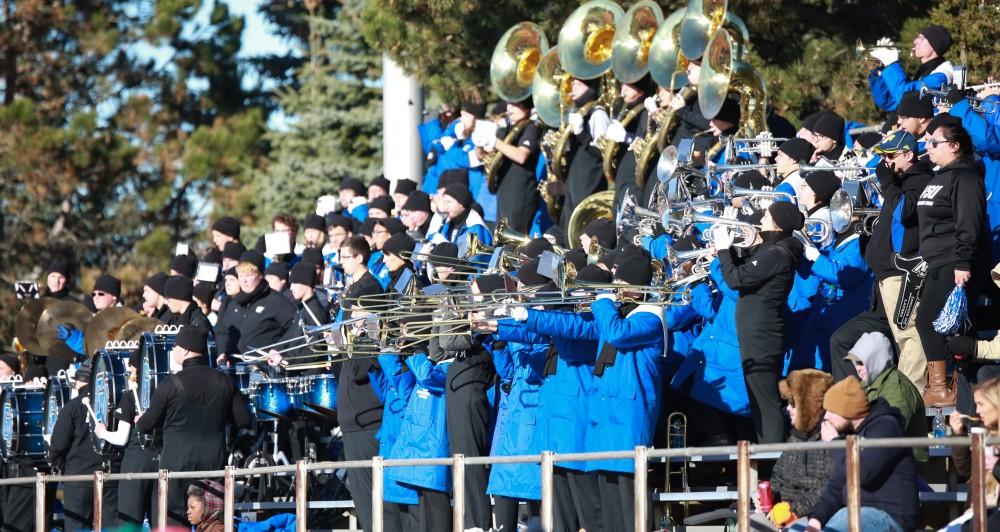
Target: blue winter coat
430	182
624	412
566	394
683	326
392	383
889	84
424	433
378	269
520	424
714	364
845	291
985	132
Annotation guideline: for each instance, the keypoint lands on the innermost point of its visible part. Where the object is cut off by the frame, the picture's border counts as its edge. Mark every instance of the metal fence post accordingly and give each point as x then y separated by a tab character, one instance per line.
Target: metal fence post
641	491
853	466
377	482
228	488
302	495
161	499
98	498
458	492
743	486
548	517
40	514
977	482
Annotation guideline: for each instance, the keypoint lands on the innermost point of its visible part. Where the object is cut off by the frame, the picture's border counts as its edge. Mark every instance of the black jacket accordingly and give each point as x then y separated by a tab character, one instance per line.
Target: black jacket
254	320
194	406
193	316
358	408
763	280
72	445
517	192
952	211
799	476
888	475
898	215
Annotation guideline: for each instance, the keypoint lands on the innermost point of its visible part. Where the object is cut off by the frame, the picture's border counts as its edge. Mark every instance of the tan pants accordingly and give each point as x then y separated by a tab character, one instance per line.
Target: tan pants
912	362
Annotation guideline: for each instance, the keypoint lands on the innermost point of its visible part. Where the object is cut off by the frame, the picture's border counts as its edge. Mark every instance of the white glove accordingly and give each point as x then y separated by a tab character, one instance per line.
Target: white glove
887	56
484	137
519	313
677	102
730	212
651	104
884	41
460	133
722	238
811	253
575	121
616	132
356	202
448	142
610	296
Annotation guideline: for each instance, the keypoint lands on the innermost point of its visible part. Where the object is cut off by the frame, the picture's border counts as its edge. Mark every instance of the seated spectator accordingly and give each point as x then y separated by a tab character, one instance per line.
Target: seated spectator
889	498
987	398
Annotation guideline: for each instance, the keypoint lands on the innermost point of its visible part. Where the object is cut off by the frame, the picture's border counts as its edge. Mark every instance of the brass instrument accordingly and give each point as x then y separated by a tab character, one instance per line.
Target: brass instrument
746	232
842	213
722	71
550	92
597	205
585	40
702	20
939	97
493	160
862	50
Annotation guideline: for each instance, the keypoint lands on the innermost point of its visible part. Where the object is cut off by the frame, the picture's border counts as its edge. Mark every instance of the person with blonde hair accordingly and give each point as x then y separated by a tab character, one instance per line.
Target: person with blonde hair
986	395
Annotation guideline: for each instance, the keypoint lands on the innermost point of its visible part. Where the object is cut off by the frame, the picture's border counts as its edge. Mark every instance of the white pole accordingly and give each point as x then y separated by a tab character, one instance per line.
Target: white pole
402	113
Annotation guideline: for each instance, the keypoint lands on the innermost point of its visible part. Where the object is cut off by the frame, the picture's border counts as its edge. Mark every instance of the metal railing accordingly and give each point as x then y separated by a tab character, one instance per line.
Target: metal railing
547	459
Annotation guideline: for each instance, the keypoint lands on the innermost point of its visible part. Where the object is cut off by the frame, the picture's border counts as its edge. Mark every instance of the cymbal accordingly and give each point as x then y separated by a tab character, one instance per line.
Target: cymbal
132	330
58	313
104	326
27	319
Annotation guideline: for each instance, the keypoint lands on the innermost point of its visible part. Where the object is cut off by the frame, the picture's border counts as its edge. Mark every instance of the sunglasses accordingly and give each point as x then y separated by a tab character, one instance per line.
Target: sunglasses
98	294
934	142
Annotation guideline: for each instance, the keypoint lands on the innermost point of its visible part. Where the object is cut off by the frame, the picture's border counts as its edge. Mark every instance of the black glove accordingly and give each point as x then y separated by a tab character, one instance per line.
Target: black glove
884	174
962	345
954	95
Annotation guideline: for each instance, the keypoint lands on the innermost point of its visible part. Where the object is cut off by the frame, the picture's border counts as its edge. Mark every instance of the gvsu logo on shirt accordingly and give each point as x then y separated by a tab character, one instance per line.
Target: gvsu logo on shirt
930	191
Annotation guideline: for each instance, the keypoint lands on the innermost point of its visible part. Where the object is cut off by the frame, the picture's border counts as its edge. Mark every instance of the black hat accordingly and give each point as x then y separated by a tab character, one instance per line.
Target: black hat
823	184
608	259
11	361
499	108
312	256
799	150
460	193
490	283
938	37
418	200
405	186
278	269
382	203
868	140
577	257
192	338
109	284
314	221
351	183
831	125
750	179
393	225
456	175
525	104
604	231
528	274
184	265
634	268
809	122
476	109
730	111
36	372
212	256
556	233
178	287
593	273
58	266
231	272
204	292
644	84
687	243
535	247
233	251
303	273
445	250
83	372
228	226
339	220
366	227
786	216
397	244
381	182
913	106
254	257
157	282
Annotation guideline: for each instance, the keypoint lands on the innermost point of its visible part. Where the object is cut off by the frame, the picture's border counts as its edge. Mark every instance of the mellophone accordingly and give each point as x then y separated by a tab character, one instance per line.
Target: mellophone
29	410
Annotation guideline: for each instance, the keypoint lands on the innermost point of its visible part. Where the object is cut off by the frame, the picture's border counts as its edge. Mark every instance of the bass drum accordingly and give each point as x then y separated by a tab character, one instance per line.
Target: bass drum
107	384
155	349
57	394
21	426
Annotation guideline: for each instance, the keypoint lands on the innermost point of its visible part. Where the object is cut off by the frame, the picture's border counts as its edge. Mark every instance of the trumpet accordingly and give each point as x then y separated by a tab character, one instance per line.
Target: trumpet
746	232
983	86
853	173
764	144
860	49
939	98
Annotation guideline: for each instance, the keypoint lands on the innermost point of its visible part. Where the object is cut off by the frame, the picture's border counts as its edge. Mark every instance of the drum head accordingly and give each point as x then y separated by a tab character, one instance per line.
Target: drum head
56	395
8	425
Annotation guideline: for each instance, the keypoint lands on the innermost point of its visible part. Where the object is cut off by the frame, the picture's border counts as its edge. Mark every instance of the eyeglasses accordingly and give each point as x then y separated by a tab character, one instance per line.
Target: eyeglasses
98	294
934	142
347	256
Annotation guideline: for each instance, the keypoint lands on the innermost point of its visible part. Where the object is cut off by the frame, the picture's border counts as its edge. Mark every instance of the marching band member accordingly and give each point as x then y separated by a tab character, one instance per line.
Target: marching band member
462	218
632	96
814	196
184	265
314	231
57	285
585	170
827	138
791	154
107	292
224	231
914	114
258	316
276	276
889	82
178	292
517	193
380	207
353	201
152	297
416	213
393	382
378	187
402	188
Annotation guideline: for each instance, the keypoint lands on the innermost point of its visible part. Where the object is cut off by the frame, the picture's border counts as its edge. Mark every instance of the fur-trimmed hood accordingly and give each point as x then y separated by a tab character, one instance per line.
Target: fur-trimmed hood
805	389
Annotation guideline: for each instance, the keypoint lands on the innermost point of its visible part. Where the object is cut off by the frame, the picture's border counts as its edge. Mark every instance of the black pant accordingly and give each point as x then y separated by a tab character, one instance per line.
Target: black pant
586	498
361	445
19	499
435	511
937	287
844	338
399	517
467	414
618	500
760	372
137	498
506	511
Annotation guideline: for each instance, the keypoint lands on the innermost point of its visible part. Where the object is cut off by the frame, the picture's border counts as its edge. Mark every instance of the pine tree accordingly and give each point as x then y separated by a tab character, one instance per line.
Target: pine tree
334	118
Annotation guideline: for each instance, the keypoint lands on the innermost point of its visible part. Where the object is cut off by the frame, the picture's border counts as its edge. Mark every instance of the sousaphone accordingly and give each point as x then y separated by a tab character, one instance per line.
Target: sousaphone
586	39
516	59
595	206
722	72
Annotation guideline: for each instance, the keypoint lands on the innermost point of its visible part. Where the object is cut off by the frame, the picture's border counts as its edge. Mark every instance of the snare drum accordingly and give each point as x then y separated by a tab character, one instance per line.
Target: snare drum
107	384
21	425
273	399
319	394
57	394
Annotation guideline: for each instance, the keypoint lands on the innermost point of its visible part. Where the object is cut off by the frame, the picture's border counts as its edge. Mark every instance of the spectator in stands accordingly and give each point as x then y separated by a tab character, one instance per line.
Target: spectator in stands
888	475
205	506
987	397
872	358
799	476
